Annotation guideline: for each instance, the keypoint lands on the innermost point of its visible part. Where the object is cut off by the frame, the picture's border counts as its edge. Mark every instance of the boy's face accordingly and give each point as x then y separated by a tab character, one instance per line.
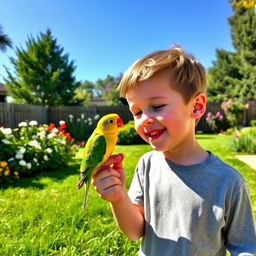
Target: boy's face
161	117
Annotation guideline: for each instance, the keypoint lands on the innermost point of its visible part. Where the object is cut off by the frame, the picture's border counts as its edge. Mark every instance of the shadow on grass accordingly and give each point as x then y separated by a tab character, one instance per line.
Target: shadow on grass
35	181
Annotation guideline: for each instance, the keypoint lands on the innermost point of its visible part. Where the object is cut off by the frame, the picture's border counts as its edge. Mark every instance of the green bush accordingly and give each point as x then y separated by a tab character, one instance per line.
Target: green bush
31	148
81	128
244	140
253	122
127	135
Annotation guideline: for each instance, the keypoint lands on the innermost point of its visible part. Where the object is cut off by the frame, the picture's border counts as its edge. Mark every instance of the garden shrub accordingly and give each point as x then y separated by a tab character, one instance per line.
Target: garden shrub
253	122
244	140
217	122
82	127
30	149
127	135
234	111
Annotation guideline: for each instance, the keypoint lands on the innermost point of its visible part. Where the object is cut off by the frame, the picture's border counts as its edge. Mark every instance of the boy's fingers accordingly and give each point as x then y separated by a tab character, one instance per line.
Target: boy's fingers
105	172
114	159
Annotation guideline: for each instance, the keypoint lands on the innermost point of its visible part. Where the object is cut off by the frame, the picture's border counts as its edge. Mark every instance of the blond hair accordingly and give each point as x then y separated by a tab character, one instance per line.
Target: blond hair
186	74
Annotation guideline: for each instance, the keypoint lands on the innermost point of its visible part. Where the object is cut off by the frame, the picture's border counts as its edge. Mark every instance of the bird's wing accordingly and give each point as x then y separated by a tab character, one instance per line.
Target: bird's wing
94	153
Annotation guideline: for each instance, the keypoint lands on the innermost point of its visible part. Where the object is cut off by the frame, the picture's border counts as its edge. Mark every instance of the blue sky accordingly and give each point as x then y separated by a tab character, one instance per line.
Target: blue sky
105	36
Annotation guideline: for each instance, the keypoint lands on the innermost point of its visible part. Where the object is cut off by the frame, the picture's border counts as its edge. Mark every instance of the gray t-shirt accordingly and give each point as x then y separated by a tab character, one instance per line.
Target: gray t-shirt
197	210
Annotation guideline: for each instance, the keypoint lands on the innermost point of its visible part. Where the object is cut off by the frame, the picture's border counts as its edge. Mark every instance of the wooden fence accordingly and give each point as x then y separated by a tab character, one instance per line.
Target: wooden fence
12	114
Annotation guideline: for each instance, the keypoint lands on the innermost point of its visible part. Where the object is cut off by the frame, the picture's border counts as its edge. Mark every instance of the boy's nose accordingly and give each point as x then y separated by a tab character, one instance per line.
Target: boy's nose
147	119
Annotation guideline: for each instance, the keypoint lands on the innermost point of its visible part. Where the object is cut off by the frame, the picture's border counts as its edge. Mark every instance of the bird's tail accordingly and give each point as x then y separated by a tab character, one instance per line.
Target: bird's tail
87	186
80	183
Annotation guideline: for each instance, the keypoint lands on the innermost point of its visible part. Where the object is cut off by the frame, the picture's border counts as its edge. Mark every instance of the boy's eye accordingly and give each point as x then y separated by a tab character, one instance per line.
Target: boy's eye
156	107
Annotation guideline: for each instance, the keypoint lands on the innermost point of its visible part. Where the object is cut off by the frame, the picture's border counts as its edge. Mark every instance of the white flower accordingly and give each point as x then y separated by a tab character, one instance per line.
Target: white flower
51	135
49	150
6	131
10	159
82	116
22	163
29	165
19	156
21	151
35	160
55	130
41	129
33	123
89	119
46	158
22	124
35	144
61	141
90	123
62	122
97	117
6	141
41	134
71	117
34	137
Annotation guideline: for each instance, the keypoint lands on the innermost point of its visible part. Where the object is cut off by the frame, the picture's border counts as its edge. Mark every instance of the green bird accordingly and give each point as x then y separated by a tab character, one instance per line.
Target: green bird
98	149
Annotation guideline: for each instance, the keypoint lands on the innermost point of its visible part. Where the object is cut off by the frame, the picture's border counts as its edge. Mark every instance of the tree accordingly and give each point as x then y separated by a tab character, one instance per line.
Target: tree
243	33
234	74
84	92
244	3
5	41
106	89
43	74
224	77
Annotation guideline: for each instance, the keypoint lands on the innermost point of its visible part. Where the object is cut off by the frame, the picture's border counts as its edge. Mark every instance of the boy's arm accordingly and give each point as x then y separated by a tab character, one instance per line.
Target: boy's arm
129	217
110	184
240	231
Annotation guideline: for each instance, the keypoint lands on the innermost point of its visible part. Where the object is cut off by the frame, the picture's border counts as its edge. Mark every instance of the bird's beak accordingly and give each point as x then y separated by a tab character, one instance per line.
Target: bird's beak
119	122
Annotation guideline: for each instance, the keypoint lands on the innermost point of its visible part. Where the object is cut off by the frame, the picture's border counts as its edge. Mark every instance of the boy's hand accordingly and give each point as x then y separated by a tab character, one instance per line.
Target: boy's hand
109	181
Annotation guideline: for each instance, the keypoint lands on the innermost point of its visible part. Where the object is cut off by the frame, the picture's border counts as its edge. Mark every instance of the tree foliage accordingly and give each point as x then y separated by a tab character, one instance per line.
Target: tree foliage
84	92
106	89
234	73
43	75
101	89
5	41
244	3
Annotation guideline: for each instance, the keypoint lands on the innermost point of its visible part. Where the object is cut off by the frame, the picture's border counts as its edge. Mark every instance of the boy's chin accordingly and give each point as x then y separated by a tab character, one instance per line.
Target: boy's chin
157	147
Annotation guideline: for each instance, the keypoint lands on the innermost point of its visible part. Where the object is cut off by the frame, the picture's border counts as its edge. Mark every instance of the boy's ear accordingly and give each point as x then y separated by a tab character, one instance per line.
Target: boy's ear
199	105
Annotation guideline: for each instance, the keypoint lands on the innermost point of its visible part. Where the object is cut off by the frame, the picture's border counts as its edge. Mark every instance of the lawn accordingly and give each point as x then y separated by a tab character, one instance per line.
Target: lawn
43	215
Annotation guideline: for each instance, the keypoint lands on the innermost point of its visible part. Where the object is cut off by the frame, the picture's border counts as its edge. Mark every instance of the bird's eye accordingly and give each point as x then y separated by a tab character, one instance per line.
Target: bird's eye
111	121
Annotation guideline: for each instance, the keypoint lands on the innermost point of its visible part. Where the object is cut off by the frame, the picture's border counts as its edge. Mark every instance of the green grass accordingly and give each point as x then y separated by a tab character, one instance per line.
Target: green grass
43	215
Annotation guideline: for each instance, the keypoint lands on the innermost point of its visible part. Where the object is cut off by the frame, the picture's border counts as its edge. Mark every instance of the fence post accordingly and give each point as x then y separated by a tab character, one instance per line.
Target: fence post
11	115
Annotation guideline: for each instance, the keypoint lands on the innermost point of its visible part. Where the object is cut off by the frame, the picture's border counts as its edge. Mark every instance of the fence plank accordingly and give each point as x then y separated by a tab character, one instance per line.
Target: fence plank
12	114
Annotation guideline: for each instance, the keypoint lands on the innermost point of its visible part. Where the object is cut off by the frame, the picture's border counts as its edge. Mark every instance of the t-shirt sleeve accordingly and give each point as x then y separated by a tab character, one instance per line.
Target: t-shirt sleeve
240	231
136	190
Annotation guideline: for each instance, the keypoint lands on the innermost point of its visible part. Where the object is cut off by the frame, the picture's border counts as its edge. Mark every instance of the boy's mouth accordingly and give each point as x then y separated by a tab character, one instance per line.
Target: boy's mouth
154	134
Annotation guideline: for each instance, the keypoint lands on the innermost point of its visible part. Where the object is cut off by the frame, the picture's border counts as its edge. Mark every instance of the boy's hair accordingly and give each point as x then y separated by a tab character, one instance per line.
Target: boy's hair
186	75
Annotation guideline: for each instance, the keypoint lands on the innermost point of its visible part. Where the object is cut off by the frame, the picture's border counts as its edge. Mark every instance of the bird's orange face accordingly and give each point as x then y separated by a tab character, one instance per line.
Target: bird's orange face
110	123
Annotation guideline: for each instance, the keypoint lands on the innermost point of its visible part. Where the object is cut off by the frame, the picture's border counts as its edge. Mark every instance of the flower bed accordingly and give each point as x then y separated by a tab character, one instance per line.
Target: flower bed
244	140
32	148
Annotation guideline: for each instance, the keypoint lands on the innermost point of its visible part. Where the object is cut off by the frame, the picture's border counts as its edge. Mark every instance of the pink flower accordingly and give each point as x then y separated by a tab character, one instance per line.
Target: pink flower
236	136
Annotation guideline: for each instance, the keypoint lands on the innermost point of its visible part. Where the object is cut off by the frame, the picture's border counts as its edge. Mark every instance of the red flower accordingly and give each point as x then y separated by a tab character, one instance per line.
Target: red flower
51	126
81	143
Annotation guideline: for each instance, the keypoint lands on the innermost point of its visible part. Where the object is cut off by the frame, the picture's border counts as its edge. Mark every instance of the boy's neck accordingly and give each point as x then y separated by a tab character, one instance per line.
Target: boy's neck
193	153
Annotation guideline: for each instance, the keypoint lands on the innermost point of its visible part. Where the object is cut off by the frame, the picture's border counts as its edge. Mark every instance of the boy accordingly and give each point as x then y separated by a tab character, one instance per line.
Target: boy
183	200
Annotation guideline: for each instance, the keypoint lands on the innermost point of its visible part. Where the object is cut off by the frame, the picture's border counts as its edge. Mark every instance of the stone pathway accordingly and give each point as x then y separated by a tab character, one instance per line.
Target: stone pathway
248	159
